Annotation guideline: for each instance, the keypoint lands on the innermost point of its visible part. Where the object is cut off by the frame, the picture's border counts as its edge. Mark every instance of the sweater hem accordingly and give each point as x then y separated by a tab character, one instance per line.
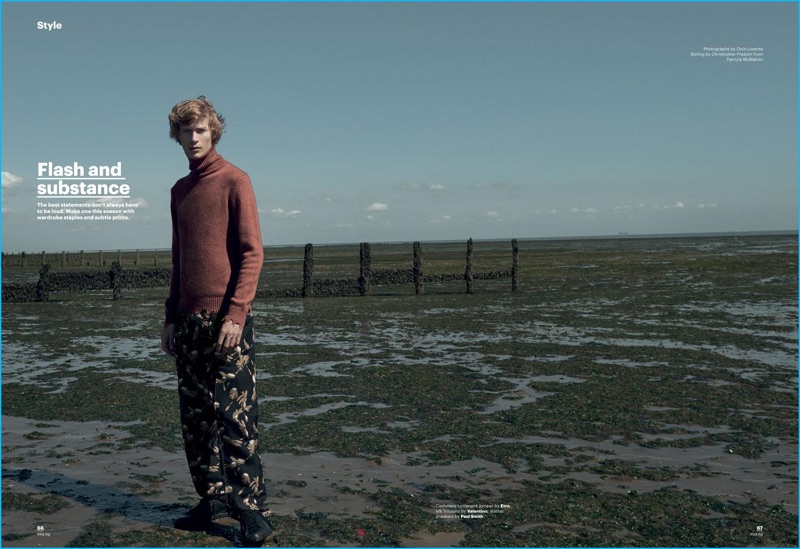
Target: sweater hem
213	305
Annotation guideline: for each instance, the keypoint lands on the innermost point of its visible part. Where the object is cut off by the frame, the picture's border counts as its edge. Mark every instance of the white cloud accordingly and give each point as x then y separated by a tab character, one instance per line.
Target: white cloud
492	214
377	207
710	206
575	210
496	186
11	181
678	205
591	211
370	218
443	219
435	187
280	213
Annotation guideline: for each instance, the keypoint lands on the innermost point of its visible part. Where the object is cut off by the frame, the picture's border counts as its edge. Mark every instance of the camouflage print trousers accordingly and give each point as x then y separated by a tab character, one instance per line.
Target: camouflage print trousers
219	413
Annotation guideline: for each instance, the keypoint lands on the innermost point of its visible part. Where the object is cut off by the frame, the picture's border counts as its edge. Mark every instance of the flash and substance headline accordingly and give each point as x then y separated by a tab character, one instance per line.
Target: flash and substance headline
104	185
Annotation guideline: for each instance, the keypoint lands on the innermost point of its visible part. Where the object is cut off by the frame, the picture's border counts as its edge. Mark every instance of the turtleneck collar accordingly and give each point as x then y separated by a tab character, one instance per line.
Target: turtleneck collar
206	164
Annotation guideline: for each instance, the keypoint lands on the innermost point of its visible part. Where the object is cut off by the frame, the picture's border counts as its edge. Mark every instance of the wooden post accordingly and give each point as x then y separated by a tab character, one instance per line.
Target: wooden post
119	257
43	285
116	280
308	271
419	279
514	265
23	259
468	271
44	259
100	257
365	259
81	258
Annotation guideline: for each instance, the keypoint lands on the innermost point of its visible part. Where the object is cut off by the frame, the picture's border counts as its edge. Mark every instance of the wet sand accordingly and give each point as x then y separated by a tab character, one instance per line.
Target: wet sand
648	400
140	488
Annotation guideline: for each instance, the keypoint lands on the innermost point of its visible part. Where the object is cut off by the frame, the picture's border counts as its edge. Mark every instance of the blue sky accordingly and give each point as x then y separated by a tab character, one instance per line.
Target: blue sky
412	121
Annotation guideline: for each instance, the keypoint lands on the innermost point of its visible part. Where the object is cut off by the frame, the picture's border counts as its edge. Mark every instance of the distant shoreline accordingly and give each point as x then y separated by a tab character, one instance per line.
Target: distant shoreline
619	236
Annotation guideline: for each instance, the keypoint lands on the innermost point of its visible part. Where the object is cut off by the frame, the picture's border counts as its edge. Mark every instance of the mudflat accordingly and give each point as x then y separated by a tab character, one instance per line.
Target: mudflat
631	392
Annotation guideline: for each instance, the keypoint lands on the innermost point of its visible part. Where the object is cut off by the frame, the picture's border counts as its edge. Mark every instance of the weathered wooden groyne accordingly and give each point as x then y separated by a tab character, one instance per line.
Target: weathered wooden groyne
118	279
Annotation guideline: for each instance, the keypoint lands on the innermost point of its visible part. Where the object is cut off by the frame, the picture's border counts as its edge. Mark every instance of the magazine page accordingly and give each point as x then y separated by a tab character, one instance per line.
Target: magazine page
399	274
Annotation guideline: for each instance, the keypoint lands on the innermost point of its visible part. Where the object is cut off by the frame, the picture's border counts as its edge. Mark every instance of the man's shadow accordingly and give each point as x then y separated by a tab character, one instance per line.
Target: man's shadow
111	500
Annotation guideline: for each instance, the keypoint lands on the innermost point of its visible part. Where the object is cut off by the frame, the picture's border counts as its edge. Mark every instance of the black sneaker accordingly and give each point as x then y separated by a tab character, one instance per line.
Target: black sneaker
255	528
201	516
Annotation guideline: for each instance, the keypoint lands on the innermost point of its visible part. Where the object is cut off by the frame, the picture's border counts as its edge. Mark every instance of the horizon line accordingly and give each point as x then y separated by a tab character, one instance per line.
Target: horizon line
618	236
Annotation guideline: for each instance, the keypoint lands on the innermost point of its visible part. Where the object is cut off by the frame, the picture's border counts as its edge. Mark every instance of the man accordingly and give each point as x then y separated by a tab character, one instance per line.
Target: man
216	260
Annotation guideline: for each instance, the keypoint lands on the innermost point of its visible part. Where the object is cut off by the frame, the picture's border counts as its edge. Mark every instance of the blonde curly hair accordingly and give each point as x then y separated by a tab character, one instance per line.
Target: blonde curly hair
195	109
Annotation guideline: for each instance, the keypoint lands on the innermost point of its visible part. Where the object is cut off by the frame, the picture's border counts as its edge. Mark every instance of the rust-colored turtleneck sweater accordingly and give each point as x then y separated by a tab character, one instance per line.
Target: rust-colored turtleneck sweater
216	241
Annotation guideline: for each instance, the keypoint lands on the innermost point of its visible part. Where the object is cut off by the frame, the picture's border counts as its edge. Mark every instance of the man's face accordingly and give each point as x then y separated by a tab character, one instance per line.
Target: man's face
196	138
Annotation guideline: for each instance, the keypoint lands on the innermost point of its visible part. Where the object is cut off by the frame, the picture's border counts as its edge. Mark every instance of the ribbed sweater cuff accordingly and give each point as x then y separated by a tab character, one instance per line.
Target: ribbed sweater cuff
236	315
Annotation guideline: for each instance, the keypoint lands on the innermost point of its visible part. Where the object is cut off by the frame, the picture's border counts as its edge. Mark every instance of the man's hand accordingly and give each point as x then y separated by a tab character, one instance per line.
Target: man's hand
230	334
168	339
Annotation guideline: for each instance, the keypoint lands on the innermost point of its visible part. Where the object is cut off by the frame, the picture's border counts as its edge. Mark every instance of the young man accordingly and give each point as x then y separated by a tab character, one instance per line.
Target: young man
216	260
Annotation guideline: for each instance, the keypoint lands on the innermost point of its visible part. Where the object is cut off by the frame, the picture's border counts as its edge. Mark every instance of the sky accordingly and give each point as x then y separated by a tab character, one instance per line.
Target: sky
384	122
